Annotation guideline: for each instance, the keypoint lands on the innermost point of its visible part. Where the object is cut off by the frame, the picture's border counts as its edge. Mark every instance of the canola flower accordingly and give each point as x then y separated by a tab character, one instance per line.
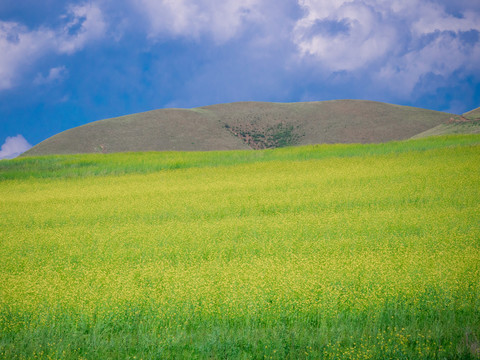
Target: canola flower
367	257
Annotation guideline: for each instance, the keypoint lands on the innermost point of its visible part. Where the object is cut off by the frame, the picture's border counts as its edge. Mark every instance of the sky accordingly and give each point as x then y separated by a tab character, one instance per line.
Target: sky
66	63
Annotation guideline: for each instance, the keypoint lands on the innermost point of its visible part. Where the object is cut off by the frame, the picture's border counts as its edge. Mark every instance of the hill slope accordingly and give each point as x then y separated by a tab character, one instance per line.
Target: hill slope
474	114
245	125
468	123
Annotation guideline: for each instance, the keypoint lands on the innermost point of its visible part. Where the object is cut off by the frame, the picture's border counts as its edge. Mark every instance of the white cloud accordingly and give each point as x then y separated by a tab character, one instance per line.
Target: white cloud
393	42
222	20
434	18
21	47
436	47
343	35
14	146
56	74
442	57
86	24
397	41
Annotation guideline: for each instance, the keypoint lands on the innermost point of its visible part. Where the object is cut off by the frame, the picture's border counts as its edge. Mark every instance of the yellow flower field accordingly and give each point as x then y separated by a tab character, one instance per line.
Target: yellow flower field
374	256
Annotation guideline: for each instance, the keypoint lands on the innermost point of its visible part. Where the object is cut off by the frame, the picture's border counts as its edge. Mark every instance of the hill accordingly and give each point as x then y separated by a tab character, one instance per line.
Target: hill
468	123
474	114
245	125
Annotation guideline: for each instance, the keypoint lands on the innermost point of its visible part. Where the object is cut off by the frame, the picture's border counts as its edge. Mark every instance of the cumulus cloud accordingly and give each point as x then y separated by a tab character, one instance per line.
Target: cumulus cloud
14	146
442	56
85	23
386	45
397	41
343	35
21	47
222	20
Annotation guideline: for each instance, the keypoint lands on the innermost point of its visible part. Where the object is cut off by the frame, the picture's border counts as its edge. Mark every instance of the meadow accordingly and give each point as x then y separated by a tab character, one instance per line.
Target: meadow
331	252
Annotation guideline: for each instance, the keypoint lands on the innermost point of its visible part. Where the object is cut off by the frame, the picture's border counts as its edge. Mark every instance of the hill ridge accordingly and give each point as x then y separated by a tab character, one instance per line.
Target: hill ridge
245	125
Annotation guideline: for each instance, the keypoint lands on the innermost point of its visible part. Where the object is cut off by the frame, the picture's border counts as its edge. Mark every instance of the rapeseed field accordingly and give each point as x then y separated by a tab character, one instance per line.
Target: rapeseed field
325	252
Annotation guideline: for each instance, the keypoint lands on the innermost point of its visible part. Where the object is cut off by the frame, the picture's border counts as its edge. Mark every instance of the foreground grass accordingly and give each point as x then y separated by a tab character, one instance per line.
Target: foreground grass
62	166
370	255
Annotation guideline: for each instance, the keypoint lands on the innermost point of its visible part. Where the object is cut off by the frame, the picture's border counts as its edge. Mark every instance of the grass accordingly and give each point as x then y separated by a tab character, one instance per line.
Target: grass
348	251
84	165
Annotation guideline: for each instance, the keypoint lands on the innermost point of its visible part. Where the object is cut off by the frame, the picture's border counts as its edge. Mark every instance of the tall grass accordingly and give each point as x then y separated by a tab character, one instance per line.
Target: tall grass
317	252
82	165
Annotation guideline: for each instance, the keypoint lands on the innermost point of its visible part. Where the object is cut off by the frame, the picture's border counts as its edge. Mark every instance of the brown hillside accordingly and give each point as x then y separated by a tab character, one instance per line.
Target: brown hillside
338	121
157	130
245	125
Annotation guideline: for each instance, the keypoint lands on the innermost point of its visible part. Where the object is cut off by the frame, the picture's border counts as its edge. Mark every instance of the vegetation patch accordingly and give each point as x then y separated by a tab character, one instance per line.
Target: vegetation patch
267	137
464	120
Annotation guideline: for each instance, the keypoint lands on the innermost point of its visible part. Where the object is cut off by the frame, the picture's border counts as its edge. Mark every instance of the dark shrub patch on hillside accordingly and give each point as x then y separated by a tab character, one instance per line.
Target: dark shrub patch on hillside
275	136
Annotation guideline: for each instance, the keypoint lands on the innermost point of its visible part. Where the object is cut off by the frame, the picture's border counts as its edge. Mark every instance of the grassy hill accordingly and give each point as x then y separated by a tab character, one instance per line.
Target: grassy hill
245	125
343	251
474	114
468	123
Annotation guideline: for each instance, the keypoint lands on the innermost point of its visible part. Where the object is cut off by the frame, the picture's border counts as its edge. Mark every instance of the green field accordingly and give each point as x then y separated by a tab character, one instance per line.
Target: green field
325	252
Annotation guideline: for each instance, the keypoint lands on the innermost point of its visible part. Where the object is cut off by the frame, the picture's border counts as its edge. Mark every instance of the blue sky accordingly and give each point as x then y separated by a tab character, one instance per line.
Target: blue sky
67	63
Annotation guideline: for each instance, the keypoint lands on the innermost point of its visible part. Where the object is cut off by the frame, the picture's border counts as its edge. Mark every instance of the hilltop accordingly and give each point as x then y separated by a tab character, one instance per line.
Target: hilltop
246	125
